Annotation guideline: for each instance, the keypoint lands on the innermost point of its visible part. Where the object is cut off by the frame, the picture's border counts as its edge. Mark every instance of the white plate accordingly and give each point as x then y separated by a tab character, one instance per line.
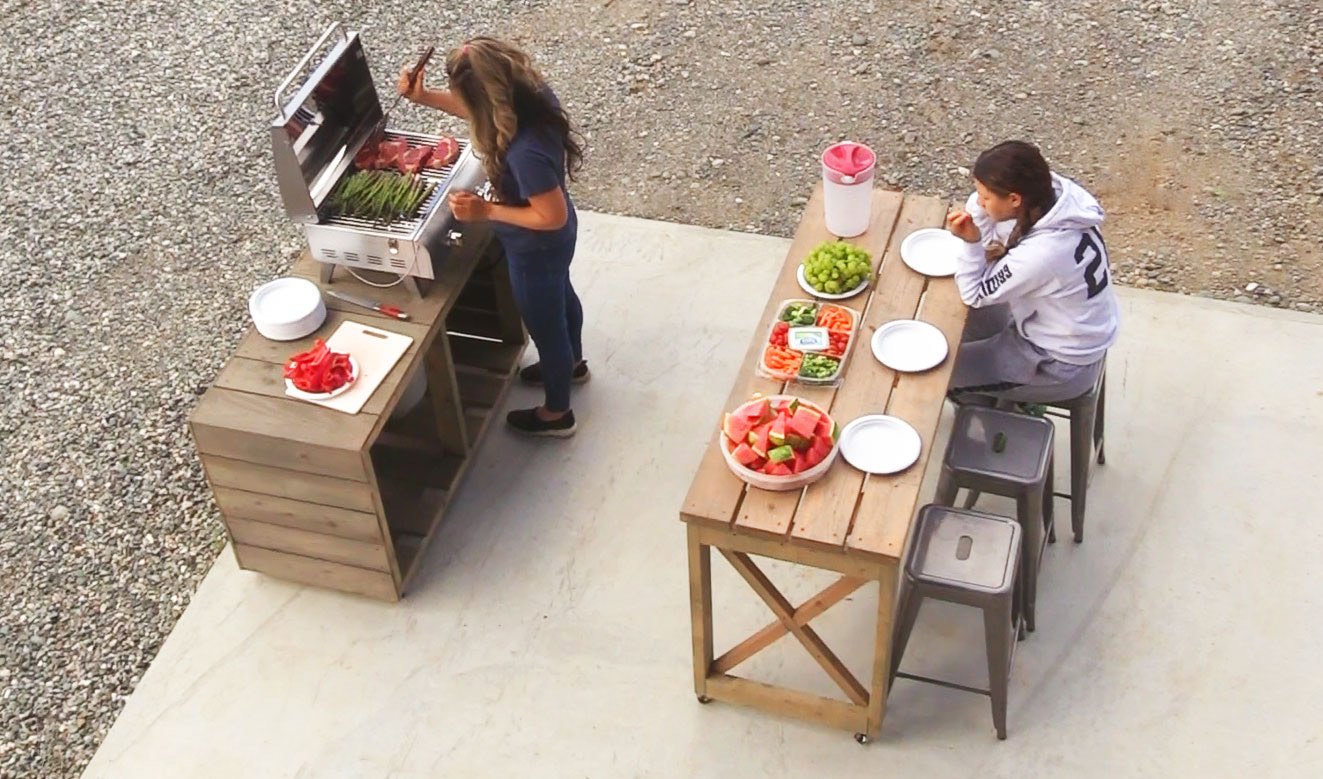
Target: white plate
909	346
807	287
290	389
287	309
880	444
931	251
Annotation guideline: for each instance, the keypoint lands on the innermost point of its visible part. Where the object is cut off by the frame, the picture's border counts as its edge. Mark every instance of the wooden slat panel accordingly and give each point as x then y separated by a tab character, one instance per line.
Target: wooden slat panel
787	702
771	512
265	378
315	545
471	321
295	485
319	573
782	549
480	388
715	492
887	506
300	515
281	432
825	514
500	358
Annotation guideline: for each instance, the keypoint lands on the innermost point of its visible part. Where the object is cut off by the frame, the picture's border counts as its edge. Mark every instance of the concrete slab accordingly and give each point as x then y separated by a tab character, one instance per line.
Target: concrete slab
549	634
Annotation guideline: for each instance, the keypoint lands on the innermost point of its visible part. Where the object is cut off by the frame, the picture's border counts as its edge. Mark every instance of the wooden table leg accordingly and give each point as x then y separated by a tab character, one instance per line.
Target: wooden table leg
700	610
443	390
881	682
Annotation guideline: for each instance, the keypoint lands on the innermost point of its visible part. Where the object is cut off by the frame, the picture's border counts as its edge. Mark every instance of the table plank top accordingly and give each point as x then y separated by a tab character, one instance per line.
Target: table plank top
846	511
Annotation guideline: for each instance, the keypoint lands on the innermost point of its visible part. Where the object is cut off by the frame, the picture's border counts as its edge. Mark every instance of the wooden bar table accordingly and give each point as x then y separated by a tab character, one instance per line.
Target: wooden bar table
848	522
350	501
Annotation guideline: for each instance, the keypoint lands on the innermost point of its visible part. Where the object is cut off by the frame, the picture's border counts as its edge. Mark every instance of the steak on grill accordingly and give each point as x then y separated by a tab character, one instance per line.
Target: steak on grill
414	159
444	153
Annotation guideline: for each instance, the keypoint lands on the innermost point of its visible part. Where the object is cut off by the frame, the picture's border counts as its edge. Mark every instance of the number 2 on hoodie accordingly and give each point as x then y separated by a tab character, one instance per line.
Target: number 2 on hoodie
1095	253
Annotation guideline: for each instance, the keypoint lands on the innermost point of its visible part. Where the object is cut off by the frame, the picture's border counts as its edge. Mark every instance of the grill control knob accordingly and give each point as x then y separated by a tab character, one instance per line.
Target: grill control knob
393	246
454	238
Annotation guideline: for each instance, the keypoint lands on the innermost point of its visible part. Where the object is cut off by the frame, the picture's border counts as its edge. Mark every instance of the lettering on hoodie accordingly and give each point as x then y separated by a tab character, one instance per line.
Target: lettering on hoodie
992	283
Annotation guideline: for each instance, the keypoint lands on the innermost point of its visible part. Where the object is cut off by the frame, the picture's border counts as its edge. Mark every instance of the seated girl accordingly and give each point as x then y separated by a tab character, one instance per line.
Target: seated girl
1035	271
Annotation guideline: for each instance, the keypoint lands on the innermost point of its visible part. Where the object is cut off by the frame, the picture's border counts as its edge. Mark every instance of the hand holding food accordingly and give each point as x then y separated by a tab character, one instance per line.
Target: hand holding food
468	207
962	226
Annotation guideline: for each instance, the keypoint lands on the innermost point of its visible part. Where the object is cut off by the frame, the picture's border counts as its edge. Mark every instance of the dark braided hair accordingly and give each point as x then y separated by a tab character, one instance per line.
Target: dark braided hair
1018	167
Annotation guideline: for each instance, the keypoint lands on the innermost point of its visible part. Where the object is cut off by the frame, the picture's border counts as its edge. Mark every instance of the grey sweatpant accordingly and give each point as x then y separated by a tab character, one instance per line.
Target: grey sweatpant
995	360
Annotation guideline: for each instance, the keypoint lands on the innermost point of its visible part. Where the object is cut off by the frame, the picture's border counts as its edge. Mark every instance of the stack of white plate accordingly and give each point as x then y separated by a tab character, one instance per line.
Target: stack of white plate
287	309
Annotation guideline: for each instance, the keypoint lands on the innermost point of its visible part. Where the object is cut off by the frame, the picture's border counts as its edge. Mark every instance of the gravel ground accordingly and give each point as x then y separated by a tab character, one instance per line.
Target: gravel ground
140	209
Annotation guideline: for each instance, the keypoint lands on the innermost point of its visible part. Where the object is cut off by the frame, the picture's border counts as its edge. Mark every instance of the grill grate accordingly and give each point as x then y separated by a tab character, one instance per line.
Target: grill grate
438	177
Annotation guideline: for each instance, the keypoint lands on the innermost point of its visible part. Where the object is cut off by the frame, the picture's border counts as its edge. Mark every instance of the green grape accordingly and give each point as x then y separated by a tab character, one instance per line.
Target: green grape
833	287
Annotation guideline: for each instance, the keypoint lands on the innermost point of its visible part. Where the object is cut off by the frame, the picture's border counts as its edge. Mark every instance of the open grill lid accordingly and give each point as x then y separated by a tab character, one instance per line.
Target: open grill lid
324	122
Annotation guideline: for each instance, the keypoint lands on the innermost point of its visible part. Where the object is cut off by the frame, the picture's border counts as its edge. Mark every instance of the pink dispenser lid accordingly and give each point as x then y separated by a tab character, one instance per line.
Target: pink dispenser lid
848	162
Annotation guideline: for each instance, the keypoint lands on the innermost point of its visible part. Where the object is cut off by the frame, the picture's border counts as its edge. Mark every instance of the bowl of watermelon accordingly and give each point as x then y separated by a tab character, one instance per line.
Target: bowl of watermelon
779	442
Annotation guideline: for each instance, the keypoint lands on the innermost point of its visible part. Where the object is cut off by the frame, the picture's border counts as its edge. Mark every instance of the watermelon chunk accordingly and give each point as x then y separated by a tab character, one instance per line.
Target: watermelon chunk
797	442
828	428
756	411
778	436
813	456
736	428
778	469
744	455
804	423
760	439
799	463
781	454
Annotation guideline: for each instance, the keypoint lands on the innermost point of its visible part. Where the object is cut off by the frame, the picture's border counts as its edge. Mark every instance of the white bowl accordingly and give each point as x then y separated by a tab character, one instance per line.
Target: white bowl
780	483
287	309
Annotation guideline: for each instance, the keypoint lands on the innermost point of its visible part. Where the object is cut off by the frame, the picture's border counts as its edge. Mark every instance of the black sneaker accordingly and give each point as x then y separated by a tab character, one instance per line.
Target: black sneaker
533	374
526	421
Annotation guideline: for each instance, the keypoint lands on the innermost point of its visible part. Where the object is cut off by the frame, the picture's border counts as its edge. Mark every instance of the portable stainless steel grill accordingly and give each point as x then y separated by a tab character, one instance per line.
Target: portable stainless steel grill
314	137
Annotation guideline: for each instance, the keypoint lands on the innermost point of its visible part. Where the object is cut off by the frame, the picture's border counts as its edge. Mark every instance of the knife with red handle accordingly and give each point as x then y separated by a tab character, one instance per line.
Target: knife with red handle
381	308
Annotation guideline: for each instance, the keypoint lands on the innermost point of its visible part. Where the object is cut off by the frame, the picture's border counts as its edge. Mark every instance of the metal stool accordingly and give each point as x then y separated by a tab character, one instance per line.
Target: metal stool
969	558
1087	415
1010	455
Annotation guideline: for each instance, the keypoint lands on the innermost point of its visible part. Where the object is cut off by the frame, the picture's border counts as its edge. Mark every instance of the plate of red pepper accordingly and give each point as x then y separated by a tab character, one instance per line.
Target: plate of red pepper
319	373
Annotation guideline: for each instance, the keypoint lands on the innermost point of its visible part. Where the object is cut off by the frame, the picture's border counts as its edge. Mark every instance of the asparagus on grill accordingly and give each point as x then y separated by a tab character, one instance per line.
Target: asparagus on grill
379	196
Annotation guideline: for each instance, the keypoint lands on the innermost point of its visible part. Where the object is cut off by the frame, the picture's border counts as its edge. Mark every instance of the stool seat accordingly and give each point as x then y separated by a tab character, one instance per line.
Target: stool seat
960	549
1025	445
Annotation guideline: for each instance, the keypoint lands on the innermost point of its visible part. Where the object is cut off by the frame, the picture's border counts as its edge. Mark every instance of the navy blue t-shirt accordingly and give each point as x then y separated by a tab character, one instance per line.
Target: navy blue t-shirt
534	164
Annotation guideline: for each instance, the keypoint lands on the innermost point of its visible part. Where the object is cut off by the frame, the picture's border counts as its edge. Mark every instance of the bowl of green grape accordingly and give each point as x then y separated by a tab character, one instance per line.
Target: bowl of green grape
835	270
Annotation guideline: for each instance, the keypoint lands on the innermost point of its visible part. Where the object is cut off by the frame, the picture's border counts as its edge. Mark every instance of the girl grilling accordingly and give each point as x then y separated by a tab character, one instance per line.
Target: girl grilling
527	147
1035	269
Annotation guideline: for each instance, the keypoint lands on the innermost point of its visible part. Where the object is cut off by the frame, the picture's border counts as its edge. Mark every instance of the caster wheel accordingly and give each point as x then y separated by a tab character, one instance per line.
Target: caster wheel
862	738
704	699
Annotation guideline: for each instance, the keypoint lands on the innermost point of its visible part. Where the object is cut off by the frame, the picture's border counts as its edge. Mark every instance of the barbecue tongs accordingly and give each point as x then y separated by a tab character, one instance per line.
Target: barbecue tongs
413	74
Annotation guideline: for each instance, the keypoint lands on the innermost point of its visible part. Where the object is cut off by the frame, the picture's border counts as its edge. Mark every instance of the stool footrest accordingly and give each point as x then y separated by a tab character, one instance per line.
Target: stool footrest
1065	495
943	683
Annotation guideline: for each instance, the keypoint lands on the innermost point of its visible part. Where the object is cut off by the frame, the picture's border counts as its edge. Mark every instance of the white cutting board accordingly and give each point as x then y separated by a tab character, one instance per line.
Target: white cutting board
376	351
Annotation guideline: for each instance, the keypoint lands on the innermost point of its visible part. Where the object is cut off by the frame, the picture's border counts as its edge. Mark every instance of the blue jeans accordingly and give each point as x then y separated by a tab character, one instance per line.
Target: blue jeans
553	315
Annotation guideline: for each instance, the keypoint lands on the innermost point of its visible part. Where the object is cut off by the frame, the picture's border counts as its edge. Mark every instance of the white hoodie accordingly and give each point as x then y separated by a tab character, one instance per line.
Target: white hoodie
1057	279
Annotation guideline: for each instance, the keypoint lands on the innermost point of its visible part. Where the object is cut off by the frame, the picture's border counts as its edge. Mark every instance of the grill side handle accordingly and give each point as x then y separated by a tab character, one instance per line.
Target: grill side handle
312	52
